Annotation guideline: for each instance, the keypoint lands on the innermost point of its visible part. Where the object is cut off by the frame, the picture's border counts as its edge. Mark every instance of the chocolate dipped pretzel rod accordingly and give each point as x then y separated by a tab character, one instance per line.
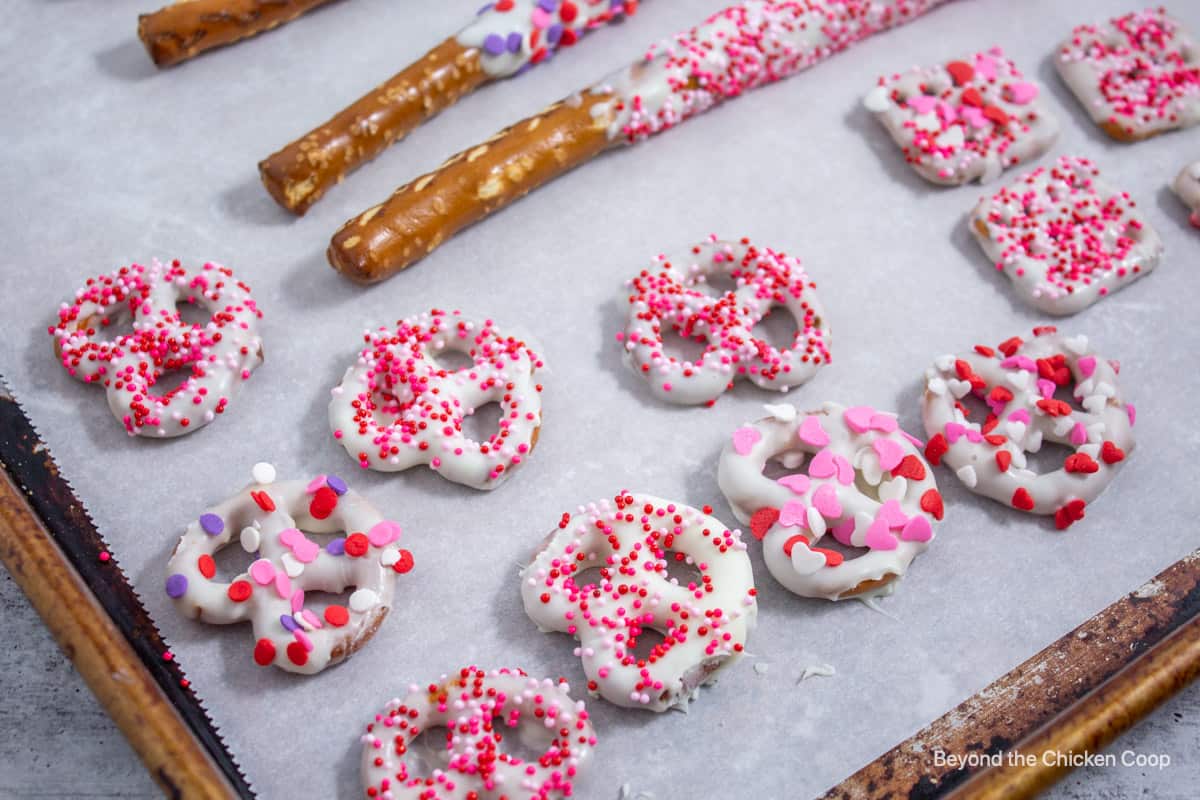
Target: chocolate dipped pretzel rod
737	49
187	28
506	38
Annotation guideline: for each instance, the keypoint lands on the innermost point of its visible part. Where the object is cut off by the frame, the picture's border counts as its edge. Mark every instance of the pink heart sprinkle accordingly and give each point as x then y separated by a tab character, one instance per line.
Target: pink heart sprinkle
973	435
973	116
825	500
891	513
859	418
1021	93
917	529
1087	365
946	112
1078	434
314	484
843	531
1019	362
890	453
383	533
986	67
822	465
954	432
797	483
1020	415
812	433
744	440
922	103
883	422
262	571
793	514
879	537
845	472
297	601
1046	388
283	585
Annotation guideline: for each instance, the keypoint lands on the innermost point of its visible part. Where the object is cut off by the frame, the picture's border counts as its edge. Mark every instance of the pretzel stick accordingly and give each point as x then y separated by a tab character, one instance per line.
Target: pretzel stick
299	174
189	27
737	49
501	41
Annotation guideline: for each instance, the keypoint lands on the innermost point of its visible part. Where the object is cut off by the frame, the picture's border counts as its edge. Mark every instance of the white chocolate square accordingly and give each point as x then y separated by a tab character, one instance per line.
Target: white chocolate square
1064	237
1137	75
964	120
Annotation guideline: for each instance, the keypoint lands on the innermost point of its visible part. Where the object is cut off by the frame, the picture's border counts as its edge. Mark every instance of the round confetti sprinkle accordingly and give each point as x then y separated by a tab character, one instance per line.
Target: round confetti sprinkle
323	503
297	654
264	652
212	524
263	473
206	565
176	586
404	563
240	591
337	484
356	545
337	616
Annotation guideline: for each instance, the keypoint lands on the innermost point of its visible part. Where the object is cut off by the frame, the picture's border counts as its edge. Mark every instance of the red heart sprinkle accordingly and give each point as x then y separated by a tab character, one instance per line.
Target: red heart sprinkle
1043	330
323	503
1010	346
832	557
264	652
931	503
995	440
963	370
1003	460
263	500
792	542
1070	513
1111	453
972	97
1080	462
960	71
936	448
1022	499
762	520
996	114
910	467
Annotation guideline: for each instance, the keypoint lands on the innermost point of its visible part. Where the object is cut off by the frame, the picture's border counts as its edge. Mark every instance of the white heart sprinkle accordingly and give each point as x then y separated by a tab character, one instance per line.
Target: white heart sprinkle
1076	344
263	473
936	386
959	388
944	363
816	523
1063	426
1019	461
967	475
249	539
862	522
363	600
872	471
1018	379
893	489
1015	429
1094	404
1106	389
805	561
1034	442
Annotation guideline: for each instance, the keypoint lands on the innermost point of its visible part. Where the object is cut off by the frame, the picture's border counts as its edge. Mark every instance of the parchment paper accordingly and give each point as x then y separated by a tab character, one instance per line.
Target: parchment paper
108	161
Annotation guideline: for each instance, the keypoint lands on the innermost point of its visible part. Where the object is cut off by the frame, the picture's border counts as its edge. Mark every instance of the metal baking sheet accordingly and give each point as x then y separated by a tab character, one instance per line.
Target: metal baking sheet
111	161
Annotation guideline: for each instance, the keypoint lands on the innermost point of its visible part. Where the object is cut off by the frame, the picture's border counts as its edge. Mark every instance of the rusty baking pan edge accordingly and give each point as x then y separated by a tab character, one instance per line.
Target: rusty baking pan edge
51	547
1026	730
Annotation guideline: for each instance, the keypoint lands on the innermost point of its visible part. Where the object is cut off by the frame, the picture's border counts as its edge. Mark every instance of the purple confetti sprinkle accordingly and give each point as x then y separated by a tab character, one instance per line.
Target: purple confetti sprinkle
554	33
286	621
176	585
547	5
494	44
336	548
486	8
337	484
212	524
515	40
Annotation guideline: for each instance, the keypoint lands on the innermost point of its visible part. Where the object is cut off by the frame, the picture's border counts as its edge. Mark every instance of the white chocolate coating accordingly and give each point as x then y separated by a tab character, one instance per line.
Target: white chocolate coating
865	484
704	624
737	49
1018	383
397	407
219	354
273	594
671	295
476	709
1187	186
1137	75
966	120
1064	237
530	31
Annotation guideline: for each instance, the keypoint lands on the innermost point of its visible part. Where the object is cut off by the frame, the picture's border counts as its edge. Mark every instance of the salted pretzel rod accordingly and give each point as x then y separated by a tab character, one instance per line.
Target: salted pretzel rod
187	28
737	49
505	38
